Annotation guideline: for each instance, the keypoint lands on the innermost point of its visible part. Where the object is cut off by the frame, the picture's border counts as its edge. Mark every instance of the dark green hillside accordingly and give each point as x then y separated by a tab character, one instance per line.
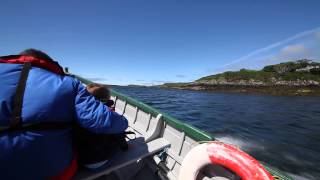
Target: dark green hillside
243	74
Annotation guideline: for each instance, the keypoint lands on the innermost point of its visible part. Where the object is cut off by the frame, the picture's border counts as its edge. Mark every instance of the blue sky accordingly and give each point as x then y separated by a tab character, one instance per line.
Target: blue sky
152	41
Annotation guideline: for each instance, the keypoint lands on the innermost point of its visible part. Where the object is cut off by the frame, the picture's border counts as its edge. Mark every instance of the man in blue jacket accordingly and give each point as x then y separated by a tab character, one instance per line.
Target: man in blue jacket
38	102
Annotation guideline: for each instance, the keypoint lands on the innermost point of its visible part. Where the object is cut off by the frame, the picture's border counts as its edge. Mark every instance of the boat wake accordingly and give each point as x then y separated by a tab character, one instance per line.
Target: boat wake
300	177
250	147
241	143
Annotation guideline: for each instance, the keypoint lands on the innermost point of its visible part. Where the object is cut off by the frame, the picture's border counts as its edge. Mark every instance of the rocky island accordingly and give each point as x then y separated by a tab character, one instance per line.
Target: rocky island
301	77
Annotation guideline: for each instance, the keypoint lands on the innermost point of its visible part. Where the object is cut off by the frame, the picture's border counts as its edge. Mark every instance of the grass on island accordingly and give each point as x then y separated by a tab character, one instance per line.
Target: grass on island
288	71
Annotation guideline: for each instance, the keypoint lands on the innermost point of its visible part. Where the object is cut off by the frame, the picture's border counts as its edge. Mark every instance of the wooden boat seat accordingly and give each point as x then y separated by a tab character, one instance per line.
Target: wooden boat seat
138	149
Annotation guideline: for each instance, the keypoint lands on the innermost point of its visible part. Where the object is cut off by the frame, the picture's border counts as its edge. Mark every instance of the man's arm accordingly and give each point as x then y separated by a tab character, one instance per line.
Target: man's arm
94	115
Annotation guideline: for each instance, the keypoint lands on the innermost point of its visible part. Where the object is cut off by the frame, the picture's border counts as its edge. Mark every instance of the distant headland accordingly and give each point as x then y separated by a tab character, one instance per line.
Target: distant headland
301	77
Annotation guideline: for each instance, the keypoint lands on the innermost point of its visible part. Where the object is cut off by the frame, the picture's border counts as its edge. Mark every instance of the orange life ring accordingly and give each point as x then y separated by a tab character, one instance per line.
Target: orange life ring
218	153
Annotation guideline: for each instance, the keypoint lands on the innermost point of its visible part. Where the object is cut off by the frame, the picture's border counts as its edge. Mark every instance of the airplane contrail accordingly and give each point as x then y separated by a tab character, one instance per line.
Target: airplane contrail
255	52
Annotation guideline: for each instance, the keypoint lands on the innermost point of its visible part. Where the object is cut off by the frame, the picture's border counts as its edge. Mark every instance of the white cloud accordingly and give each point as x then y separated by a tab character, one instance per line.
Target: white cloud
294	51
180	76
317	34
291	53
147	84
288	53
99	79
274	45
302	45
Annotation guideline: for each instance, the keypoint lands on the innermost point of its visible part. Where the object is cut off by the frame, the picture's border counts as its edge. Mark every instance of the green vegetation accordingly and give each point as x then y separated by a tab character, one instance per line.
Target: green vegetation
243	74
288	71
290	66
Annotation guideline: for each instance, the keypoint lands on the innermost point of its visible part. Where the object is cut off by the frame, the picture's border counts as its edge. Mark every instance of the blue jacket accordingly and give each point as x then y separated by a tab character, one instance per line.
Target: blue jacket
48	97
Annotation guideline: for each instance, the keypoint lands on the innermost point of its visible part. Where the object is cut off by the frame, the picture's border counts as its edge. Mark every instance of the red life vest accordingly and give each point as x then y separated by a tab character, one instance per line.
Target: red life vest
35	62
28	62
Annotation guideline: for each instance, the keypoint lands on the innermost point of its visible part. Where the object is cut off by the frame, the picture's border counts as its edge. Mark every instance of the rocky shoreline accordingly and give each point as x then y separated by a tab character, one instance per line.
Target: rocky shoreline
280	90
